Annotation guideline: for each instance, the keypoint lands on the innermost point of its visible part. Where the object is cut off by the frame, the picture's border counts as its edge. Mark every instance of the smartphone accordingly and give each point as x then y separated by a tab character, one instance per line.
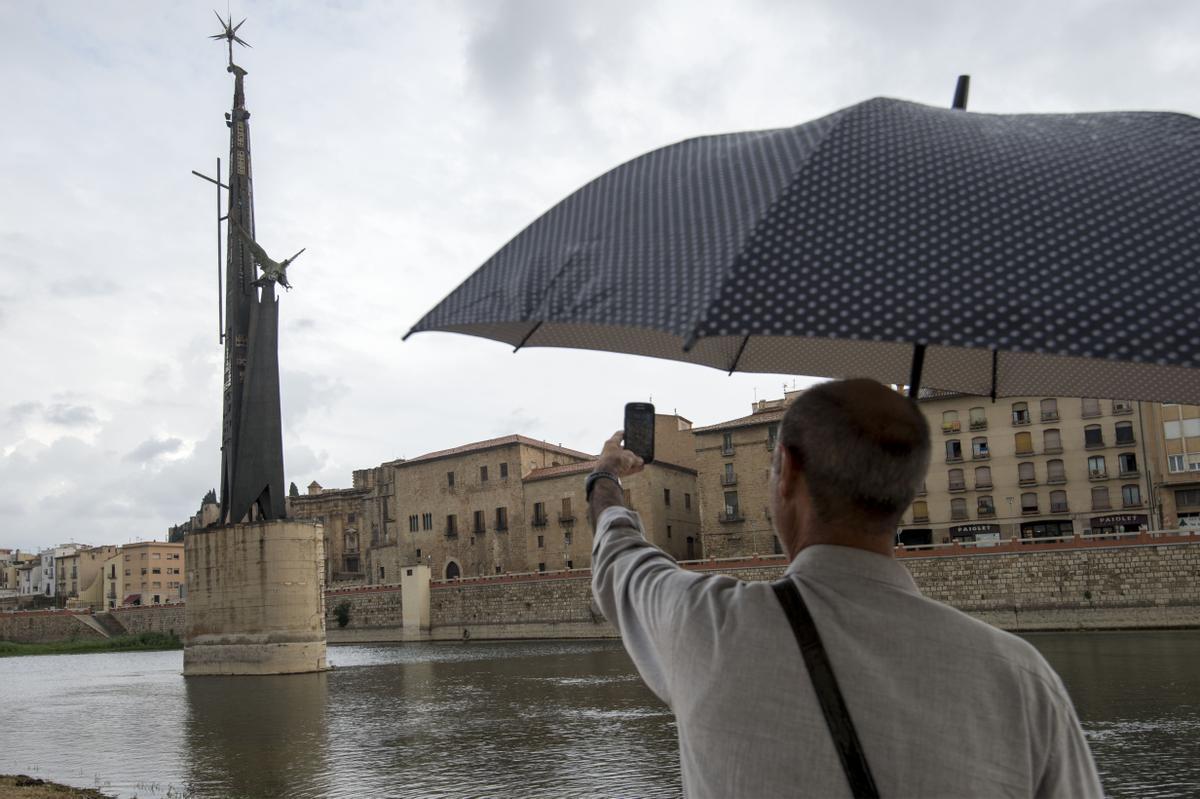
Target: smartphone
639	430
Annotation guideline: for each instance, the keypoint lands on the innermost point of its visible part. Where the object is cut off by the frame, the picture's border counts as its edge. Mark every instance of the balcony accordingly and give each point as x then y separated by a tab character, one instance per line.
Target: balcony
1056	479
1101	505
1122	408
540	520
1094	444
981	455
1132	503
501	527
1097	474
1125	440
986	512
566	517
921	517
1021	420
951	427
958	515
729	479
1052	450
1049	416
1027	481
731	515
1025	452
451	532
727	449
1059	507
1127	473
958	485
954	458
1029	511
981	485
922	491
1090	413
979	424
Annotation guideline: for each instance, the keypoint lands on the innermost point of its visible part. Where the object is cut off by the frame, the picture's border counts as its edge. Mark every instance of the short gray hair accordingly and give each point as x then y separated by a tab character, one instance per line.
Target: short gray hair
862	452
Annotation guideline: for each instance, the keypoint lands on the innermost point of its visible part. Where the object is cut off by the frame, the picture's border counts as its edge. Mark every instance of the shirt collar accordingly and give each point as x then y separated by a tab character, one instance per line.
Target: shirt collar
820	559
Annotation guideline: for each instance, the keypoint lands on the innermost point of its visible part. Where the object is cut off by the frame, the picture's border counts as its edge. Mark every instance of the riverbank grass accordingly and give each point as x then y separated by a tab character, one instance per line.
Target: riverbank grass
143	642
19	786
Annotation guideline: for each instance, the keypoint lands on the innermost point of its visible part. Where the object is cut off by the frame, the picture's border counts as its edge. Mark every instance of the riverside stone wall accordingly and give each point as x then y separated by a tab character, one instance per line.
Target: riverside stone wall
1146	585
165	619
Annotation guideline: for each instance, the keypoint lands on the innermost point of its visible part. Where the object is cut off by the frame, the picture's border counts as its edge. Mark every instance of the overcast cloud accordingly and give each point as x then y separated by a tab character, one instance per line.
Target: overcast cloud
403	143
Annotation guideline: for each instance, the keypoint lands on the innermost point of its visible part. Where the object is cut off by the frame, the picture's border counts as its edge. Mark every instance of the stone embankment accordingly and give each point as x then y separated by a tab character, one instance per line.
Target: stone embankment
1143	581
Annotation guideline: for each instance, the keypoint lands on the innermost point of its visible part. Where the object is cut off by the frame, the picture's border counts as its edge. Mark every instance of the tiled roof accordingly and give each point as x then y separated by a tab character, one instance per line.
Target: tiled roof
492	443
753	419
582	468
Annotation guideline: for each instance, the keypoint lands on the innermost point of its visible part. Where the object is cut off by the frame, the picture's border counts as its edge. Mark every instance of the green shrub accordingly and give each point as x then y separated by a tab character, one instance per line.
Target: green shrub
342	614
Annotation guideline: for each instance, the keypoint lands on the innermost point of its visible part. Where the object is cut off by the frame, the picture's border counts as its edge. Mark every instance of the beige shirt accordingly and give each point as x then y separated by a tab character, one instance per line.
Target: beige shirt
944	705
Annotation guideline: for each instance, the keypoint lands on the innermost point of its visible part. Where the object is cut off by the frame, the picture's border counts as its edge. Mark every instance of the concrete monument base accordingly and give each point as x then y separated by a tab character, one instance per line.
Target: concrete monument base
255	601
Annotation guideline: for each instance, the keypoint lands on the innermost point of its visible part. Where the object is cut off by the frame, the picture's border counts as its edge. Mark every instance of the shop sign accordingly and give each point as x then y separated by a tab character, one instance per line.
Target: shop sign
964	530
1118	519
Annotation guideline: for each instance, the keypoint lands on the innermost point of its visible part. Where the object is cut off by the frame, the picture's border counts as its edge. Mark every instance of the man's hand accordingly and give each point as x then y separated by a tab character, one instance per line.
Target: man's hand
618	460
621	462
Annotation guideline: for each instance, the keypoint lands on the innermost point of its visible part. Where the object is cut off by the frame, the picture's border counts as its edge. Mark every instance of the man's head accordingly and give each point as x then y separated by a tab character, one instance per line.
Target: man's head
851	456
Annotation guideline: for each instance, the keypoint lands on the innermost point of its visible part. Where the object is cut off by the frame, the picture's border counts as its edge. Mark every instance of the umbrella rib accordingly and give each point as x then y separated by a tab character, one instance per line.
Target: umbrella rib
995	360
738	357
914	378
527	337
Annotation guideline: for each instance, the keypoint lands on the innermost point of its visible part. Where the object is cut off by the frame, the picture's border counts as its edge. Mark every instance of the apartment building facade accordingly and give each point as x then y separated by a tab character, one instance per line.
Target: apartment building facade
145	573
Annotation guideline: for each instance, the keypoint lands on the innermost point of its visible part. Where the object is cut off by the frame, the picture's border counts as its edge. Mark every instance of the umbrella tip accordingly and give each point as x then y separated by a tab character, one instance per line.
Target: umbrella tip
961	90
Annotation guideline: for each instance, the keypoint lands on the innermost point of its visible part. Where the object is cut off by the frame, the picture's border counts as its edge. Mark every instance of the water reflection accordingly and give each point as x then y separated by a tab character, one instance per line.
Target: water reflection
257	736
1138	698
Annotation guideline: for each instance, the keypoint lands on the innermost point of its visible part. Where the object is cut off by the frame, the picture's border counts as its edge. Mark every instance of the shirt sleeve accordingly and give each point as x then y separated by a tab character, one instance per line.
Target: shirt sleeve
1070	771
640	590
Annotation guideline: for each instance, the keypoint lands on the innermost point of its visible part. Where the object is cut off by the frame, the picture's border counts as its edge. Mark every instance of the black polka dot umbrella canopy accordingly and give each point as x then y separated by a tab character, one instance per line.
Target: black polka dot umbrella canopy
1018	254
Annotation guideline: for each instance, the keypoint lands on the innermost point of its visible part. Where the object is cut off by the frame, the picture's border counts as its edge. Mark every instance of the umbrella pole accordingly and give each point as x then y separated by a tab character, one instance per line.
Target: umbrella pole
961	90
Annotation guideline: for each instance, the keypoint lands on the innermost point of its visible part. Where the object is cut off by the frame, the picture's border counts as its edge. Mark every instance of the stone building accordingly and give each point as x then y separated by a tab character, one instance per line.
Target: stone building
1173	439
81	578
341	512
1037	467
733	461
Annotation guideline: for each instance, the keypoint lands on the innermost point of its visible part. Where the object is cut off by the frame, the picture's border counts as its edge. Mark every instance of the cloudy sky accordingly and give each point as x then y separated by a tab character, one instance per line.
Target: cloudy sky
402	144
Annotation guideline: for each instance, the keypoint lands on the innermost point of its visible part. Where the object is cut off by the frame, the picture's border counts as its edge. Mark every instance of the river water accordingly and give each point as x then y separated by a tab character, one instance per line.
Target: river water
528	718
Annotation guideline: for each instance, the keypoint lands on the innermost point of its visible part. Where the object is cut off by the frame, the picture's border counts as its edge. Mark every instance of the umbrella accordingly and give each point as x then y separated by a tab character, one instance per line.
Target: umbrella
1001	254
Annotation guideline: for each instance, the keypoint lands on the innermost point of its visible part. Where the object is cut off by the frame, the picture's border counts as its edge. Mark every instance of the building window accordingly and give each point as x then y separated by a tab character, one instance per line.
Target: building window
727	443
1089	407
1049	410
427	521
1051	440
1058	502
452	571
1124	433
501	519
953	450
381	574
1097	467
504	471
153	571
570	565
1127	463
541	567
483	474
451	525
1029	502
1056	471
1121	406
541	541
732	511
979	447
983	477
450	479
539	514
950	423
350	517
772	435
956	480
568	538
958	509
418	553
480	527
920	511
1093	436
667	496
1187	498
1170	430
566	515
687	501
1026	473
1131	496
978	418
1175	463
668	531
414	523
1023	442
1100	498
1020	413
985	506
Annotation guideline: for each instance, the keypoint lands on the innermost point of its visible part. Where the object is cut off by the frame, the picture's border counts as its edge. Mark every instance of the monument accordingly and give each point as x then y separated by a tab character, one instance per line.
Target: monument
255	578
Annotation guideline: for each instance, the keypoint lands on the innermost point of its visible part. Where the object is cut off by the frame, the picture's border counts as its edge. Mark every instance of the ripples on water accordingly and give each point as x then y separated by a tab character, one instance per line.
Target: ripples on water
529	718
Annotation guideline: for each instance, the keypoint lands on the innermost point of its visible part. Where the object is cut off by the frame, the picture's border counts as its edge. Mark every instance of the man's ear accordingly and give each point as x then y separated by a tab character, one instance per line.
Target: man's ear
789	472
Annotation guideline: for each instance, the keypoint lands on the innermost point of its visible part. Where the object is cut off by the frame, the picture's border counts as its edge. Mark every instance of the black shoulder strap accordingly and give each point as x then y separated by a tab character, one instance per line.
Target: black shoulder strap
837	716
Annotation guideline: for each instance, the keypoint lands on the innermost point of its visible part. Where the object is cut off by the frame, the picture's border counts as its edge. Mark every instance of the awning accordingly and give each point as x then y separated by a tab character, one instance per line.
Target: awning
132	599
